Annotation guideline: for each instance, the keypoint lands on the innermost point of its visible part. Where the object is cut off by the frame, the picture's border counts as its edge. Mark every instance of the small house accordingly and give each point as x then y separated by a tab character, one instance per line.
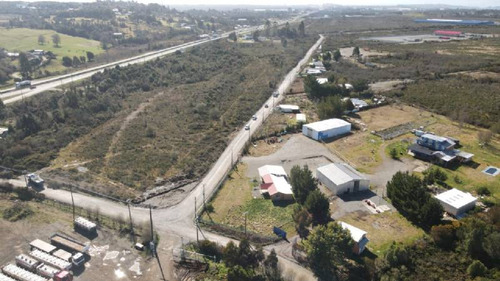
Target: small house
322	80
456	202
274	182
341	178
358	235
439	150
288	108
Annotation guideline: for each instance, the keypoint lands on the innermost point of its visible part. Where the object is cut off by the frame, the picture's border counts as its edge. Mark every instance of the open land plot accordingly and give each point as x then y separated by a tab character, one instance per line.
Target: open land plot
383	229
234	199
24	39
112	256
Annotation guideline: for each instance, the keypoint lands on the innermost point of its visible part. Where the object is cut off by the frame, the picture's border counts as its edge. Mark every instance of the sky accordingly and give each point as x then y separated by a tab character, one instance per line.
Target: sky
473	3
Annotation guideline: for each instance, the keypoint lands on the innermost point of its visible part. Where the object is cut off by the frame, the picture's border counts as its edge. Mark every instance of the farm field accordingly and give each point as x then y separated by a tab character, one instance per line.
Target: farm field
24	39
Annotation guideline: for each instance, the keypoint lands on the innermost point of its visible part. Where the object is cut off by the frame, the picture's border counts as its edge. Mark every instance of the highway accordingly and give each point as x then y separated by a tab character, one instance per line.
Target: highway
177	223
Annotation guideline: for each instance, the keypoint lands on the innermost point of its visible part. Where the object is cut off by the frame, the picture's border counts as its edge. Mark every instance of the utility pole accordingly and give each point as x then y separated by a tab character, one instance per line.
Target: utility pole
73	203
131	223
204	202
152	244
246	213
196	221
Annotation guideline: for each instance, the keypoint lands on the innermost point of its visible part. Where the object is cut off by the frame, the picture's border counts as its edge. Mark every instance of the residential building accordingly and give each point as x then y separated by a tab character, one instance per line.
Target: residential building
326	129
456	202
358	235
341	178
358	103
274	183
439	150
322	80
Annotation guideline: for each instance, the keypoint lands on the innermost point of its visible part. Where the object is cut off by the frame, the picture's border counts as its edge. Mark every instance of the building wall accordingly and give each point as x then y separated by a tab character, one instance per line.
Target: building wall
319	135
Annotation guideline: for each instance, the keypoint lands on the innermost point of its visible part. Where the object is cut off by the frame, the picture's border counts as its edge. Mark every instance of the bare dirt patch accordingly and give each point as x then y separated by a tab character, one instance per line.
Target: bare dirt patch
391	115
385	86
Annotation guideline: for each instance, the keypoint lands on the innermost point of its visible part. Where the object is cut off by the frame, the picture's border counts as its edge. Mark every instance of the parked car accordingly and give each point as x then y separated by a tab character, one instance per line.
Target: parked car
254	117
247	127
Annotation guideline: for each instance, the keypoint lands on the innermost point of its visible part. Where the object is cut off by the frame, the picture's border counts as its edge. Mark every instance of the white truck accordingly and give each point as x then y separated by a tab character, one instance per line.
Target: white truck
23	84
47	271
77	259
50	260
71	245
85	225
21	274
5	278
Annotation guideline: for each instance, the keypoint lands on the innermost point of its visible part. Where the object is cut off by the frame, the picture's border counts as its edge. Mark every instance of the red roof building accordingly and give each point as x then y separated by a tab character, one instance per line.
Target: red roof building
448	33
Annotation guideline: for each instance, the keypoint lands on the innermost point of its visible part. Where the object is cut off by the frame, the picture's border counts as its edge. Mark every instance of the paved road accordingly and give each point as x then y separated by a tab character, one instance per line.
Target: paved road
178	221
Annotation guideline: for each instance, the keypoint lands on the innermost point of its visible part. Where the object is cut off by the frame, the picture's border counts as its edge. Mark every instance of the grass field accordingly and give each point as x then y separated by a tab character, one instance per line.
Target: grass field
24	39
383	229
234	199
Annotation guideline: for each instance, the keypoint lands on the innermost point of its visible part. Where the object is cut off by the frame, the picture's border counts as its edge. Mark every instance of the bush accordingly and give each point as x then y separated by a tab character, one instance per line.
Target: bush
17	212
483	190
476	269
211	249
6	187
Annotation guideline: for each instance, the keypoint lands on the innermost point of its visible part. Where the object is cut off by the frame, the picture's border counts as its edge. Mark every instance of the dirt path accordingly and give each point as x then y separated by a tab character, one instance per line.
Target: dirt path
129	118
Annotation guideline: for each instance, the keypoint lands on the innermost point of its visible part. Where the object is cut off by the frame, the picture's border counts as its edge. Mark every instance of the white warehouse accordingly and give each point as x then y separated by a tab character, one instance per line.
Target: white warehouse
326	129
456	202
341	178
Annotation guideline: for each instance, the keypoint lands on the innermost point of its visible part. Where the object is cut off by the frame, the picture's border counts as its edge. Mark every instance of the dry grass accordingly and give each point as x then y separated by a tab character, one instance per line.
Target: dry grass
390	116
383	229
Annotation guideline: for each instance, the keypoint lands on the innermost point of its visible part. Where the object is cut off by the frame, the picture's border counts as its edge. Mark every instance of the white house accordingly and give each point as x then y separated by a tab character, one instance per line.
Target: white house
271	170
288	108
274	182
358	235
341	178
326	129
456	202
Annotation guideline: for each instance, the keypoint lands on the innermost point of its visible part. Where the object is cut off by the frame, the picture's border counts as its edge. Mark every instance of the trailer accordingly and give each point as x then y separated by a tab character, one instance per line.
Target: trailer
77	259
50	260
85	225
21	274
27	262
69	244
46	271
42	246
62	254
23	84
5	278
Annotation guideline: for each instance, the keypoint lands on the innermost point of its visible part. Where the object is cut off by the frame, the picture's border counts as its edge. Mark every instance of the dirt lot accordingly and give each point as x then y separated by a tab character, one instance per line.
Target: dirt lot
111	255
391	115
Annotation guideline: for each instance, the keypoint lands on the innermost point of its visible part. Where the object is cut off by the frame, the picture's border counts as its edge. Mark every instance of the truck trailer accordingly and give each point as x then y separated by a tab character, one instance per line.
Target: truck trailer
77	259
43	246
85	225
27	262
50	260
69	244
46	271
21	274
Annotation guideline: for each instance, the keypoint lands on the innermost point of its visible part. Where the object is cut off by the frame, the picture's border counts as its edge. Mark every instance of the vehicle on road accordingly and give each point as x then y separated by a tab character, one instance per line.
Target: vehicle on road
266	106
35	180
276	94
254	117
23	84
247	127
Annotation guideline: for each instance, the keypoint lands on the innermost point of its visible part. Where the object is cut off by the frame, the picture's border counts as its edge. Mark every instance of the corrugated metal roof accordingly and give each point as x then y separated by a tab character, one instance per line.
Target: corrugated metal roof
280	185
271	169
327	124
340	173
356	234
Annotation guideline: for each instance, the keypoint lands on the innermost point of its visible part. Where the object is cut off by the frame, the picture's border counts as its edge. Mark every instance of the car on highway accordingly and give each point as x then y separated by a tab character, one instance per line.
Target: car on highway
266	106
254	117
247	127
276	94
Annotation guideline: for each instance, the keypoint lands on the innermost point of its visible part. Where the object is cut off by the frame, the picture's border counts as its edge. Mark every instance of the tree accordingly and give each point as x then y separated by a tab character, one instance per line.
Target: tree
355	52
256	35
271	269
360	85
337	55
76	61
302	183
302	219
56	39
326	248
330	107
3	110
41	39
302	29
444	235
67	61
491	245
476	268
24	65
397	255
433	175
327	57
394	153
90	56
232	36
331	78
484	137
83	59
318	205
409	195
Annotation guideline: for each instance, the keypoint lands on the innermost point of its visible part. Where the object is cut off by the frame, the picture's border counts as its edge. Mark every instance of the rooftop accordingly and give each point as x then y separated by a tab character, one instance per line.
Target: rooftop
327	124
456	198
271	169
280	185
340	173
289	106
356	234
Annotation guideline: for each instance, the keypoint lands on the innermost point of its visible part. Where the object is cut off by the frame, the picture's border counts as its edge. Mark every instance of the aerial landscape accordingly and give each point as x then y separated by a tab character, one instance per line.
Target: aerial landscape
253	141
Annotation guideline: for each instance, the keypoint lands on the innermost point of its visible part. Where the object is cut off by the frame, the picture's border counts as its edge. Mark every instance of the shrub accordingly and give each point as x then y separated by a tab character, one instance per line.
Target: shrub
17	212
211	249
476	269
483	190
